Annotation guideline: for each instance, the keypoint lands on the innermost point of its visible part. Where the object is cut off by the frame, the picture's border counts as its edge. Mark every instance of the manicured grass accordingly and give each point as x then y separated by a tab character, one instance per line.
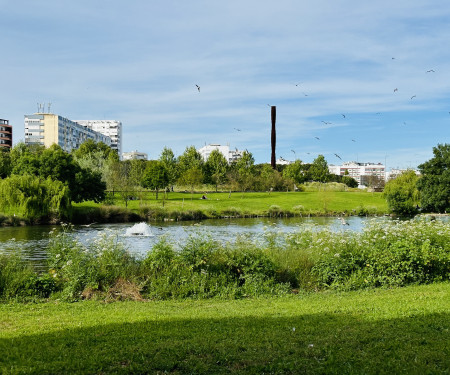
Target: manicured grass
263	204
395	331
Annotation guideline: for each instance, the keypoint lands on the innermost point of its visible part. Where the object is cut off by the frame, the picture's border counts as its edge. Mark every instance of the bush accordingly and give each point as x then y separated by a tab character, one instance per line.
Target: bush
394	254
18	280
402	195
97	267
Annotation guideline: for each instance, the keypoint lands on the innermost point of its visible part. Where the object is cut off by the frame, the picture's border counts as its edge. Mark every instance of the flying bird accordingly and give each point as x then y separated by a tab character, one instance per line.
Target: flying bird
198	88
237	129
327	123
293	151
343	115
430	71
317	138
353	140
412	97
395	89
338	156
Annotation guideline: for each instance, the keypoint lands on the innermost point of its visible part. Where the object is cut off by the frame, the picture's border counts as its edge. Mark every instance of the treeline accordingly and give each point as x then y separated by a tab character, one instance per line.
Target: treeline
41	183
189	169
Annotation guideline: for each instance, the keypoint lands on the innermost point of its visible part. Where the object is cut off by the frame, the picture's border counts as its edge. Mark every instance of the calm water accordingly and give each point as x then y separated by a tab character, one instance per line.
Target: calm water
32	241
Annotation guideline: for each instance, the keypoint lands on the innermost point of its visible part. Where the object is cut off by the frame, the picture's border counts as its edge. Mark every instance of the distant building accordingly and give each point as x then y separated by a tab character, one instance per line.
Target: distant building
230	155
110	128
282	161
5	134
359	171
395	172
134	155
47	129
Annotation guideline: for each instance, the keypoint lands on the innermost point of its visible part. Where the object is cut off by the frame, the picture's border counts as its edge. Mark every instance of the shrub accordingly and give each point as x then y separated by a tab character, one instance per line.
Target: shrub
98	266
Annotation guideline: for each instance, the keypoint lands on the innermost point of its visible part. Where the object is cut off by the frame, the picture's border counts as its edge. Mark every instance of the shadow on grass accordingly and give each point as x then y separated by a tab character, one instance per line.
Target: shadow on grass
314	344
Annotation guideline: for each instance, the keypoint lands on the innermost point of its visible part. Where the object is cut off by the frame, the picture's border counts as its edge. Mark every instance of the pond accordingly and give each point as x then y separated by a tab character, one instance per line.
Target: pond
32	241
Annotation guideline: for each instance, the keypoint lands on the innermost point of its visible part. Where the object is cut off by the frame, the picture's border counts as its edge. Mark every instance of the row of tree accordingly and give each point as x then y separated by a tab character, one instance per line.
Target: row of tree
190	170
86	173
94	168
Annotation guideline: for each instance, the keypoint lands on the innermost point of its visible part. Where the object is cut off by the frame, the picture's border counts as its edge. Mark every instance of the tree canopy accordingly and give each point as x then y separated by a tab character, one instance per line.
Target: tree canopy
216	167
434	184
155	176
319	169
401	193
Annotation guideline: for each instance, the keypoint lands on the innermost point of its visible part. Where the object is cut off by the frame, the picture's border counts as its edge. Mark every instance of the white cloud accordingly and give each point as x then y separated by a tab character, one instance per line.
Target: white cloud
139	63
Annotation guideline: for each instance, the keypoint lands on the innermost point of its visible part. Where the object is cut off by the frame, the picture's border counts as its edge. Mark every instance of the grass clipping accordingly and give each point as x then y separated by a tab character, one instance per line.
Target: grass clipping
122	290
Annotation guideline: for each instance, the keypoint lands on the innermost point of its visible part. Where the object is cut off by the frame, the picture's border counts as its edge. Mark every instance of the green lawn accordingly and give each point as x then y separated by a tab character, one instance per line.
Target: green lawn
395	331
304	203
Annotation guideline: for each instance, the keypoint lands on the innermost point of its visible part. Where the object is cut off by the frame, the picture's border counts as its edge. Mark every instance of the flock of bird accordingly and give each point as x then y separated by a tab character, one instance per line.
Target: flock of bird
342	114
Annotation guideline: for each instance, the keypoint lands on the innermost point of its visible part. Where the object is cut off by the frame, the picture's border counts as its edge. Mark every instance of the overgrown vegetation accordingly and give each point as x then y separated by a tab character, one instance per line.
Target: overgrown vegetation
383	255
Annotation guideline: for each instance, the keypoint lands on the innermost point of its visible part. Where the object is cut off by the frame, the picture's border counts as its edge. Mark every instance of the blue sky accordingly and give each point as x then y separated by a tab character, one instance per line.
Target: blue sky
317	61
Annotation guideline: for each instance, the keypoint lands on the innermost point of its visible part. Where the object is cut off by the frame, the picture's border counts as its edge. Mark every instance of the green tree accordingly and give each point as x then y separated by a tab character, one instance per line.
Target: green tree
242	171
58	165
96	156
5	162
84	184
216	168
32	197
190	159
25	159
136	173
155	176
319	169
120	181
296	172
401	193
349	181
268	179
192	177
434	184
91	147
88	186
169	160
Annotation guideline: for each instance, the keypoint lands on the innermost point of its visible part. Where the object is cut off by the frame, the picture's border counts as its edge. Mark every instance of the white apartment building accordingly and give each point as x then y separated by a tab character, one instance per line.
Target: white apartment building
359	171
395	172
110	128
230	155
282	161
134	155
47	129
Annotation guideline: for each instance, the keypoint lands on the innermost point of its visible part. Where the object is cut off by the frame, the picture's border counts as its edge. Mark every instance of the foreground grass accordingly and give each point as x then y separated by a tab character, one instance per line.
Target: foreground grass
401	331
187	205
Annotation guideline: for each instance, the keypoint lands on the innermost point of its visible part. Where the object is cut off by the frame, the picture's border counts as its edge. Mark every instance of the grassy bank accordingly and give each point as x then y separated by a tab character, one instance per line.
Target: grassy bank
395	331
185	206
